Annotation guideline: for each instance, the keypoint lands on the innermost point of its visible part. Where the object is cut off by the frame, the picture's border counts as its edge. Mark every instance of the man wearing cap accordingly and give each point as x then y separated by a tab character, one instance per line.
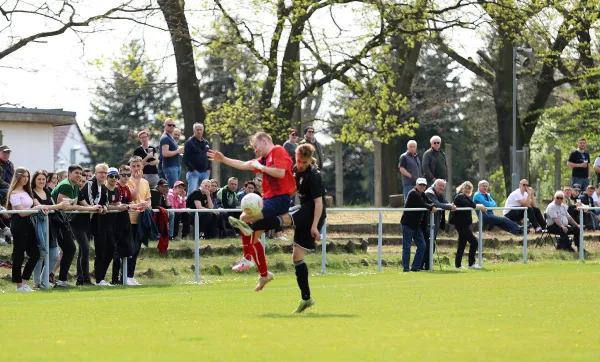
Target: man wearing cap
483	196
195	158
158	198
409	166
7	169
291	144
411	226
309	137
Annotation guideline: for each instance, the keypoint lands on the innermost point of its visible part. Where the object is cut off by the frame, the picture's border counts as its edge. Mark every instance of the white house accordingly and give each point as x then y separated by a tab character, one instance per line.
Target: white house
69	147
30	135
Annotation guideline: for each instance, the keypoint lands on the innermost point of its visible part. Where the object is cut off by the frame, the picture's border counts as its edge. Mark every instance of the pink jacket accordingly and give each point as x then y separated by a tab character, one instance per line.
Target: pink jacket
177	202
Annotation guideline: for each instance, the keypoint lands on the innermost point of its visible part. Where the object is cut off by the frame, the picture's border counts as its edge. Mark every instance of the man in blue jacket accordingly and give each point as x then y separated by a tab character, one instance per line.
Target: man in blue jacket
483	196
195	159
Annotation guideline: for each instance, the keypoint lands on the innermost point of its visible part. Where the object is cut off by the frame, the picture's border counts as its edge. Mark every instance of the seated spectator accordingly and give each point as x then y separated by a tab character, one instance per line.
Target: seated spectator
523	197
576	192
158	198
483	197
590	218
228	200
561	223
571	204
201	199
176	197
596	197
249	187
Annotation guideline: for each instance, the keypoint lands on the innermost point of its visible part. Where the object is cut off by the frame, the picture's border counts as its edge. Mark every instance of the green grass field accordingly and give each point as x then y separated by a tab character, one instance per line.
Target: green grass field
506	312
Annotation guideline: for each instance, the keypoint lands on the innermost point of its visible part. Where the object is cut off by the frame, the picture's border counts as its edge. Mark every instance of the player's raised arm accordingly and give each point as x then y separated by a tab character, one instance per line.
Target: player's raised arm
217	156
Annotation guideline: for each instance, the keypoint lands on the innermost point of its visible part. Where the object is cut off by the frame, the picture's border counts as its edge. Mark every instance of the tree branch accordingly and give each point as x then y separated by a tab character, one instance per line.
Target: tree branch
477	69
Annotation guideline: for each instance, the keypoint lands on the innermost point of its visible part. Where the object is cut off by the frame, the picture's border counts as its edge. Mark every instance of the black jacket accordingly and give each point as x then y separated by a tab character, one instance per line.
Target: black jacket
415	200
194	155
463	217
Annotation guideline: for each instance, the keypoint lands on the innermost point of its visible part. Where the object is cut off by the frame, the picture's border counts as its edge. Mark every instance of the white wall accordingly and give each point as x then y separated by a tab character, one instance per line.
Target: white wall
32	144
73	139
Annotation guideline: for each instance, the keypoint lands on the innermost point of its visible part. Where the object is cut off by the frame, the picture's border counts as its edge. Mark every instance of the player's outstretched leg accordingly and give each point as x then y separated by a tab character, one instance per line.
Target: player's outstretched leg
258	253
241	225
302	279
246	262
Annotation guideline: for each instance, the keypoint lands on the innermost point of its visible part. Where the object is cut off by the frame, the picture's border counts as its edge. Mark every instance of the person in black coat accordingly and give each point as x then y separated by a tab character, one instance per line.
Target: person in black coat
463	220
411	221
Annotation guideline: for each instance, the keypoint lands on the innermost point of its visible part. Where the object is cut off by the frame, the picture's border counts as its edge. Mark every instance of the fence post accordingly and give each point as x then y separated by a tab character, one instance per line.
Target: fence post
324	247
525	223
216	166
339	174
377	177
557	169
581	256
197	247
431	239
379	241
480	238
538	195
46	274
482	175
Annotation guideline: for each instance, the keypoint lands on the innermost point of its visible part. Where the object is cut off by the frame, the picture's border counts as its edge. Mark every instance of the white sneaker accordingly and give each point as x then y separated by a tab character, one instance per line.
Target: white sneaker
6	232
24	288
262	281
63	284
245	264
104	283
475	266
461	268
132	281
3	242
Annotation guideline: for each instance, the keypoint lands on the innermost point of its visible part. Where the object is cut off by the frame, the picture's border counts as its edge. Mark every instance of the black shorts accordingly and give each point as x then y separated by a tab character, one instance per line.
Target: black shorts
303	219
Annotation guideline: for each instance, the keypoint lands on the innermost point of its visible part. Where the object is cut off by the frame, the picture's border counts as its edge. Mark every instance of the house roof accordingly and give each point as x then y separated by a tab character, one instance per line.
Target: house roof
35	115
60	134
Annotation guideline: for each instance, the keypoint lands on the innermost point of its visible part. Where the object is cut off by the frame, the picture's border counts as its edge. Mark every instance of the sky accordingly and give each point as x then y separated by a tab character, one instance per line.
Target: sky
55	72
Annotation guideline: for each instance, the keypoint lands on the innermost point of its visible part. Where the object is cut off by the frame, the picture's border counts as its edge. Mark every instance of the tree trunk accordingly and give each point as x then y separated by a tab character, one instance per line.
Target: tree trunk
187	82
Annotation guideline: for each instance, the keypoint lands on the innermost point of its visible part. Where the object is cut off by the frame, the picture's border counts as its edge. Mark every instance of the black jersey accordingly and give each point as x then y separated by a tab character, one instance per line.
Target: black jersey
309	185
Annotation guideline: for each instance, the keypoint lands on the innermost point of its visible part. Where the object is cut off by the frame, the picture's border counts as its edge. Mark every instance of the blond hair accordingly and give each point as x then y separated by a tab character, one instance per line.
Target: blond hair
262	136
465	185
101	167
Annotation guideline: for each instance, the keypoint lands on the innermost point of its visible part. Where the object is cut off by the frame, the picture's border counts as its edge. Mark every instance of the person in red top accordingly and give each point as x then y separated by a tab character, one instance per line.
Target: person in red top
279	185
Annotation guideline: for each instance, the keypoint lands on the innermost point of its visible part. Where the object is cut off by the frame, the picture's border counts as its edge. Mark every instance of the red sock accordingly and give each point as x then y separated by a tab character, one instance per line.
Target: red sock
258	253
247	247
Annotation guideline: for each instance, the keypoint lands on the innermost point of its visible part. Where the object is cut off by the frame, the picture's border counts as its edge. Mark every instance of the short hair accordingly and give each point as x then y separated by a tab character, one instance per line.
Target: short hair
581	139
249	182
567	188
124	168
305	150
559	193
213	181
590	187
87	169
144	131
231	179
482	182
60	173
167	120
463	186
101	167
261	136
75	167
135	159
411	142
436	137
439	181
198	124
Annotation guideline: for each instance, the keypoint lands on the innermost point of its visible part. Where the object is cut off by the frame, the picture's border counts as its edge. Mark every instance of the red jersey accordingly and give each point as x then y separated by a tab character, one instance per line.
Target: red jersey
125	194
272	186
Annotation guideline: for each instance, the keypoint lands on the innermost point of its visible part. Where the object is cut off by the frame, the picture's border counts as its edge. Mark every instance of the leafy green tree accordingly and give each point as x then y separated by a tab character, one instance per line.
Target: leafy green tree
134	97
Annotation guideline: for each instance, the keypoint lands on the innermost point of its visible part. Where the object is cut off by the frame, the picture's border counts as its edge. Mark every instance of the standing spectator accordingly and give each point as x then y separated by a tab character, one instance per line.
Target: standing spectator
434	162
7	169
195	158
140	191
177	135
176	197
579	161
291	144
561	223
597	169
435	194
149	157
411	226
25	239
61	175
462	220
410	167
309	137
86	174
483	197
170	154
523	197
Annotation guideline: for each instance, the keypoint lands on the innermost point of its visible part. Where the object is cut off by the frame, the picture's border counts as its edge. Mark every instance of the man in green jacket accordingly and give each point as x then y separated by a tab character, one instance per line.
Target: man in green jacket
434	162
309	137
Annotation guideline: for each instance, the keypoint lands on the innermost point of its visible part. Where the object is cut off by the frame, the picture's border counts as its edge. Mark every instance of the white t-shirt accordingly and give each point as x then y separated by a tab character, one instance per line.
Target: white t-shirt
559	211
512	199
596	198
597	162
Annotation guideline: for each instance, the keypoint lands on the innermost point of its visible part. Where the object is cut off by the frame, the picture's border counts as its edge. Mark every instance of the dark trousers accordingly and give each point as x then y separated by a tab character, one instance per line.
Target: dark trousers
67	245
185	224
563	239
83	256
104	245
24	241
533	214
465	235
132	261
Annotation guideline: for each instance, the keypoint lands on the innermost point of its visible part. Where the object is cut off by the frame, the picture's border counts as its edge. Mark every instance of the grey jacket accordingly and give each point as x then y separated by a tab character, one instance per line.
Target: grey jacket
440	203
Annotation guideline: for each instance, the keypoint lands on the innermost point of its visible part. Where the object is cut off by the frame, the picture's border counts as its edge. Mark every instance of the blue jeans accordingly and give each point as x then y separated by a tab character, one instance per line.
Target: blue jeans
408	235
194	179
39	267
502	222
584	182
406	189
172	175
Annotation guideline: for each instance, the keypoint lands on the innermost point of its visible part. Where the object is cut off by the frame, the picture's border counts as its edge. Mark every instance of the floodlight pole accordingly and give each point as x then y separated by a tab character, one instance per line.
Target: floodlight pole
513	153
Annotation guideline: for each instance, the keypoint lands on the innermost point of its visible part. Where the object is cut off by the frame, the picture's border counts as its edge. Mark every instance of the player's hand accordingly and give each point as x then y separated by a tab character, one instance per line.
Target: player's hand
215	156
258	166
315	233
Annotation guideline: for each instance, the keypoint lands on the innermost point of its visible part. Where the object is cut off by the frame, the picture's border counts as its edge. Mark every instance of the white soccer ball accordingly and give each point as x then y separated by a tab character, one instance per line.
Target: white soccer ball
251	204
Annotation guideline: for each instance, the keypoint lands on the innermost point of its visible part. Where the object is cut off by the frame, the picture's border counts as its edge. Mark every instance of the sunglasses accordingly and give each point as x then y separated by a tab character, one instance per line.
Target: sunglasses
436	143
113	176
526	185
125	175
559	198
294	134
170	125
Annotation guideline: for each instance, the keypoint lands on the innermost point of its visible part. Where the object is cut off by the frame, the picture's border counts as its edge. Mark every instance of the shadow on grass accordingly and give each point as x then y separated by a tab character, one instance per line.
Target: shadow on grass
308	315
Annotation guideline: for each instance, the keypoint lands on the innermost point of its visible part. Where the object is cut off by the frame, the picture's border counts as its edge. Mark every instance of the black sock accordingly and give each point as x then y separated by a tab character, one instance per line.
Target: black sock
302	279
269	223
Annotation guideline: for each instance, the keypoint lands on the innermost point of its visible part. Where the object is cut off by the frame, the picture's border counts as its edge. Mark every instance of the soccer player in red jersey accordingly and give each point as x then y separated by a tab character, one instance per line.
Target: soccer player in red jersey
279	185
